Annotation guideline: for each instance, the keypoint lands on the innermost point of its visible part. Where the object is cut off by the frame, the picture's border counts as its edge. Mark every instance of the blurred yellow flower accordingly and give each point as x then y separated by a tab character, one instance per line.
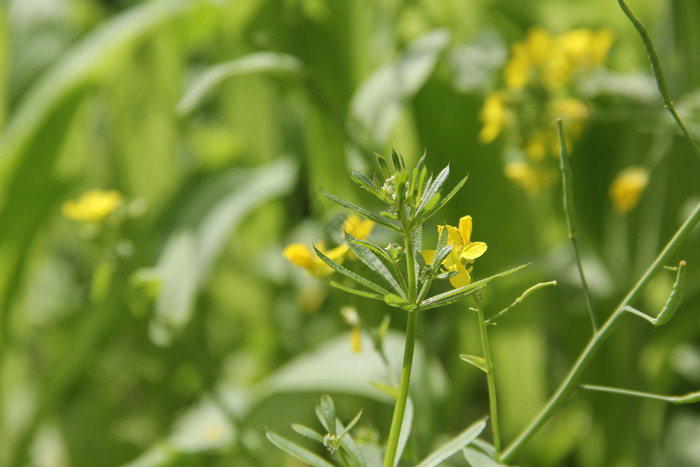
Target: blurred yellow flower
463	253
527	176
493	114
627	187
303	256
92	206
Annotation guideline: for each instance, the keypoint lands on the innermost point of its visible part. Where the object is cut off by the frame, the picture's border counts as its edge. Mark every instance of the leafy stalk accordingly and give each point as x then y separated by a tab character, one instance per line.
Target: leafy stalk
491	381
658	73
571	380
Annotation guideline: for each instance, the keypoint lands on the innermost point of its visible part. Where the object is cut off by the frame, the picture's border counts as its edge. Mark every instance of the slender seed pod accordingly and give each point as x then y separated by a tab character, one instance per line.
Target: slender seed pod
674	299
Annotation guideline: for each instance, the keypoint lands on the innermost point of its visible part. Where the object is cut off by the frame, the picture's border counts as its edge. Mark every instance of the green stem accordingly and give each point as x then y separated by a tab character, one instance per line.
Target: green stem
491	381
571	380
658	72
691	397
400	407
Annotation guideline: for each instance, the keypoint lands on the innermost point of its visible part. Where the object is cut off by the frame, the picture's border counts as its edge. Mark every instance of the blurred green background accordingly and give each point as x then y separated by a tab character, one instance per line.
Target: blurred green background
174	332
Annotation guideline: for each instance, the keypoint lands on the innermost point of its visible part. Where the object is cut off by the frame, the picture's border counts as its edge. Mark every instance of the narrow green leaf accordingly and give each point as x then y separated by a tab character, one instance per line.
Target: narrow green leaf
425	215
417	241
352	423
349	274
674	299
362	211
368	257
365	182
478	362
383	166
385	256
399	302
390	391
360	293
307	432
477	458
455	444
325	411
433	189
296	451
397	160
567	182
456	295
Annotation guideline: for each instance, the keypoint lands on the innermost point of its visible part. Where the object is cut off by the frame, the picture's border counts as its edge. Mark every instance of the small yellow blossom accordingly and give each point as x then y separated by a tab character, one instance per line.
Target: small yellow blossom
627	187
493	114
527	176
463	253
92	206
303	256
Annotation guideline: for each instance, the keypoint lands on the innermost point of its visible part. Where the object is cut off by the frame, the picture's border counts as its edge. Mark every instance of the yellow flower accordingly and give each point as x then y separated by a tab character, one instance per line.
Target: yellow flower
627	187
530	178
585	48
493	114
303	256
92	206
463	253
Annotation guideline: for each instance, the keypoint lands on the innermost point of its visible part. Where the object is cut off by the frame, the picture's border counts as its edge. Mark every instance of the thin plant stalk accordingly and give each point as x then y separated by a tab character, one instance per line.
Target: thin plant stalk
491	382
568	200
571	380
689	398
658	72
400	407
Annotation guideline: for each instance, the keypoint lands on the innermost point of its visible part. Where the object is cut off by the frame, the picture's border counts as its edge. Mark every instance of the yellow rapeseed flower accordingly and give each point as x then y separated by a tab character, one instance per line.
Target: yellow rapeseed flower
92	206
493	114
529	177
301	255
627	187
463	253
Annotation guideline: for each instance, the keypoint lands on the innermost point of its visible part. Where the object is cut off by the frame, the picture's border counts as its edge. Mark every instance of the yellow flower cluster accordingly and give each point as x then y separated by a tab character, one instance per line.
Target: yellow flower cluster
92	206
540	79
301	255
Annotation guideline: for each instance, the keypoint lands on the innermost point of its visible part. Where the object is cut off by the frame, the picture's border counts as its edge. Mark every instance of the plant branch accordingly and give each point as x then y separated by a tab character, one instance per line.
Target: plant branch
571	380
658	72
491	381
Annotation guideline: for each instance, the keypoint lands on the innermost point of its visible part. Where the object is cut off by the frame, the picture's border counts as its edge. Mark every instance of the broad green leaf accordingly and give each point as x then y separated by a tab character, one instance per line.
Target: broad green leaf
351	275
455	444
476	458
399	302
208	220
368	257
378	102
296	451
456	295
88	61
361	211
478	362
259	62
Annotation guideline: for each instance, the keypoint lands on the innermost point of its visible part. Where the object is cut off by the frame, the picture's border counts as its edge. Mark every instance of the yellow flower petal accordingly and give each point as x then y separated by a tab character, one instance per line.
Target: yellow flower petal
428	256
92	206
461	279
299	255
473	251
627	187
465	229
358	227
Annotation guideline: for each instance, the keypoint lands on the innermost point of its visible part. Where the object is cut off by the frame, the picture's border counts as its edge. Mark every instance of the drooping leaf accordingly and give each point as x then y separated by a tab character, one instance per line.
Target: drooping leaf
258	62
296	451
351	275
455	444
362	211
